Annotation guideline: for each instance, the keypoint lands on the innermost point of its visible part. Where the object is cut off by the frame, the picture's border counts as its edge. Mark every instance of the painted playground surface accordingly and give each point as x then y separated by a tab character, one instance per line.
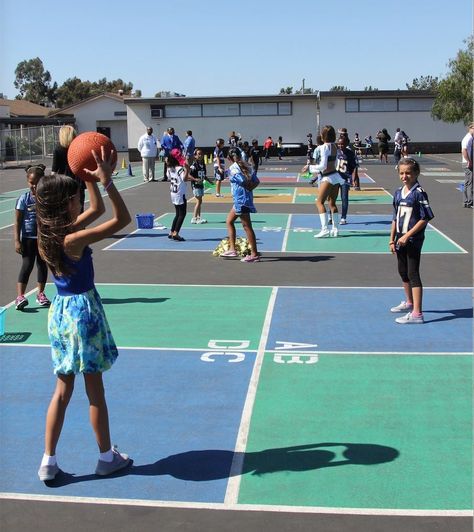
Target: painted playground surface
291	233
205	398
215	407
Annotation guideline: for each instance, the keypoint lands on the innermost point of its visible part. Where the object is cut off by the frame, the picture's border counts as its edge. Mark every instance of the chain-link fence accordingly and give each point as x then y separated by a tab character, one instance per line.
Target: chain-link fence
27	144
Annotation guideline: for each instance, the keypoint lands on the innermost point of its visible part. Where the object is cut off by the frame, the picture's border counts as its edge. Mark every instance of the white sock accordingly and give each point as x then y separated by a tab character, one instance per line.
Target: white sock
324	220
48	460
108	456
335	219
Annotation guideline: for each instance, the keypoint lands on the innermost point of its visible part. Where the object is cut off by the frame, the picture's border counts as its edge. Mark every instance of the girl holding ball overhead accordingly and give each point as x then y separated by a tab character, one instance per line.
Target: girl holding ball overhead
81	340
411	214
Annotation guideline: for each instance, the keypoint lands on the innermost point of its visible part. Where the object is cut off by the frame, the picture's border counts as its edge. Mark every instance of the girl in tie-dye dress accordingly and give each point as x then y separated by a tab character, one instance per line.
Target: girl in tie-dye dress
81	341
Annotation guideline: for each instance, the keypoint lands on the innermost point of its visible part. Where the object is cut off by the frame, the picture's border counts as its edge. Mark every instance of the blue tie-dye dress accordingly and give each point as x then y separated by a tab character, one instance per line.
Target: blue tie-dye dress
81	340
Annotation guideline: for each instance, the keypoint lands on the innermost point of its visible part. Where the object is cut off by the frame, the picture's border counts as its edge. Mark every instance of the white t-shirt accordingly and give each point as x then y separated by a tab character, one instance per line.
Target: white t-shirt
148	145
466	144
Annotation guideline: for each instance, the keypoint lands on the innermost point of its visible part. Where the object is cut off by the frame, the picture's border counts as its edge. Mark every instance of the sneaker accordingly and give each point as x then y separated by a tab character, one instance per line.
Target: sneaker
403	307
42	300
21	302
201	221
409	318
107	468
324	232
194	220
343	221
356	188
178	238
334	232
48	472
229	253
250	258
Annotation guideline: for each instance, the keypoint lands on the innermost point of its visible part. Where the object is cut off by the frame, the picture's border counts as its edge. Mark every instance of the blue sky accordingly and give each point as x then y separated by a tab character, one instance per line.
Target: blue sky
211	47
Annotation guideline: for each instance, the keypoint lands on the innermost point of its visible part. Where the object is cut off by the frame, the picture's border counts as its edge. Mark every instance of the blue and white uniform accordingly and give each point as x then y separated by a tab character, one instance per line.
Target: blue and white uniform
408	209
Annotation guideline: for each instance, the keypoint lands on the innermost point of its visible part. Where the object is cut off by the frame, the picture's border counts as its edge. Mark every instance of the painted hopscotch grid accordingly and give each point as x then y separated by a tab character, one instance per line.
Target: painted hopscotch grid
366	411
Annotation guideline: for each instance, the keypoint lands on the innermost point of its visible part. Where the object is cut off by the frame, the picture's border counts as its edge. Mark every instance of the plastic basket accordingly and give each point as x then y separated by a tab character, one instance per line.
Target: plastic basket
145	221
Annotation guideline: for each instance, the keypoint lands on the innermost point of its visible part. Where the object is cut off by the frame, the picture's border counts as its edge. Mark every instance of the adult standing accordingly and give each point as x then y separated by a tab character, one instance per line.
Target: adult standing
189	147
383	138
467	147
169	142
148	148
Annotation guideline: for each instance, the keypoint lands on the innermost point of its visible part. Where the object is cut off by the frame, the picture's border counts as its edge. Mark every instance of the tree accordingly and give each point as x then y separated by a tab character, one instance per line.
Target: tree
424	83
287	90
75	90
454	95
34	82
338	88
370	88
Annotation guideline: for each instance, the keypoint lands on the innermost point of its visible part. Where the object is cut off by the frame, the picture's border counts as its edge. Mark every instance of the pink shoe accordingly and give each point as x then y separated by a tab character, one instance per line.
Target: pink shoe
42	300
21	302
250	258
229	253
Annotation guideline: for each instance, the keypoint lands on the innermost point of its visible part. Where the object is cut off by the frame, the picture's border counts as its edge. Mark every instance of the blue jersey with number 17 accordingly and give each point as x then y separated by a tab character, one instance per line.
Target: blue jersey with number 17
409	208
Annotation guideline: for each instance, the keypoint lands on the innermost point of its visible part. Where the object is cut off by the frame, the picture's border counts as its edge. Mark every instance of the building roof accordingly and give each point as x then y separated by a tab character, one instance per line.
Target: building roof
221	99
377	94
111	95
24	108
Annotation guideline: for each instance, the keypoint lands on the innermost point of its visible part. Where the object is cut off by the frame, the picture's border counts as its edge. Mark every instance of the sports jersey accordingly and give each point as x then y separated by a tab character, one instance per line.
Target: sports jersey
409	208
198	171
177	184
219	156
254	156
27	204
346	163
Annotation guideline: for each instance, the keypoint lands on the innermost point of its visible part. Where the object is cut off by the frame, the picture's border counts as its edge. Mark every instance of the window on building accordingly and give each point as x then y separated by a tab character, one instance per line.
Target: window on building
371	105
415	104
157	111
220	109
258	109
120	113
284	108
352	105
183	111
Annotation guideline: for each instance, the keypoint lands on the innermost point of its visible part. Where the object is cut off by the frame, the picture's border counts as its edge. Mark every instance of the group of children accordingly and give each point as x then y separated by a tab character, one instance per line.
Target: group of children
335	166
52	228
243	179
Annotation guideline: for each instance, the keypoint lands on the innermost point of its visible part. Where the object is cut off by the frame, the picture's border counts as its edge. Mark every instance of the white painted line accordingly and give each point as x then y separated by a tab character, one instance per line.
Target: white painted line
449	239
454	181
238	507
271	351
287	233
233	485
442	174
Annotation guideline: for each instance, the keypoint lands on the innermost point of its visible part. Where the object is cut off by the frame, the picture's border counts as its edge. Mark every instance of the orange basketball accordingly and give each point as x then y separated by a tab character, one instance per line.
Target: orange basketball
79	154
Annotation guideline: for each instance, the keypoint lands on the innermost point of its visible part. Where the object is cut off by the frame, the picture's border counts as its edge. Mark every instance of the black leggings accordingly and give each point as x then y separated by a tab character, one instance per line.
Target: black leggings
409	257
29	253
179	217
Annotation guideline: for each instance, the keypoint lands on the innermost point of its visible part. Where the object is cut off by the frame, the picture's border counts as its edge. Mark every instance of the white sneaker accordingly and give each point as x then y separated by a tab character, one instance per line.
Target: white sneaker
334	232
409	318
324	232
201	221
343	221
194	220
403	307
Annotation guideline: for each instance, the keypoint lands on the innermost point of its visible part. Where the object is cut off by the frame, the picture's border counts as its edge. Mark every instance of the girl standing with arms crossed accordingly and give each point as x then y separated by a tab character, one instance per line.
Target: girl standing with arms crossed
81	341
26	240
330	182
242	182
411	214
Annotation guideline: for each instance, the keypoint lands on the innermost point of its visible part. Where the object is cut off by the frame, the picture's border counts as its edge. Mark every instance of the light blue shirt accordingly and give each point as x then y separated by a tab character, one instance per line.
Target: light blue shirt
189	145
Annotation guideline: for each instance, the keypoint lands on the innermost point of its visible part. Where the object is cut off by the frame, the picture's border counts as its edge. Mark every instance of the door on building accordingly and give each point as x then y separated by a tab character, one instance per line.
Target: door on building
104	130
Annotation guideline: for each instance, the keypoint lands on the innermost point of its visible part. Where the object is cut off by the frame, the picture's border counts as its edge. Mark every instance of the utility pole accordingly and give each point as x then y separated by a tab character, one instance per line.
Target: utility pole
302	87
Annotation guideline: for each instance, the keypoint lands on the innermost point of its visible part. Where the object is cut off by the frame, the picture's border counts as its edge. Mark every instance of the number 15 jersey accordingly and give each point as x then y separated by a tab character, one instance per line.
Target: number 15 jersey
409	208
